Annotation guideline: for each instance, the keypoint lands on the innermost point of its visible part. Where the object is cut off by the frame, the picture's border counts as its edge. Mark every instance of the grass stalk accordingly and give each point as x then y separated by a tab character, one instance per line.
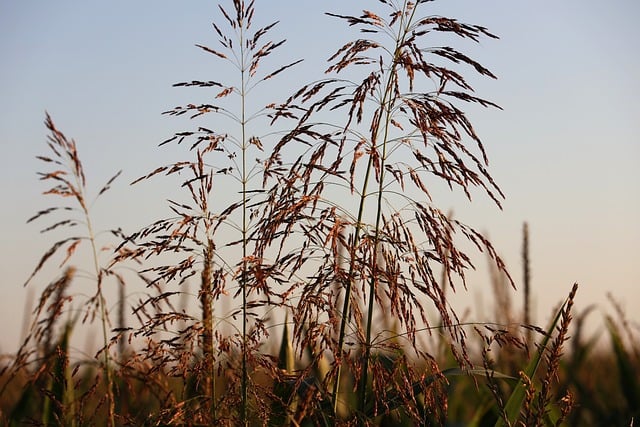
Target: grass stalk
245	223
360	224
195	229
386	107
526	279
69	181
347	293
104	320
517	398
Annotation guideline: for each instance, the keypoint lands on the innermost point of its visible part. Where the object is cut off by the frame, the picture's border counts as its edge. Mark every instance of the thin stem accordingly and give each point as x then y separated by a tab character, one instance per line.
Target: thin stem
356	241
103	319
526	279
347	293
374	261
243	276
387	105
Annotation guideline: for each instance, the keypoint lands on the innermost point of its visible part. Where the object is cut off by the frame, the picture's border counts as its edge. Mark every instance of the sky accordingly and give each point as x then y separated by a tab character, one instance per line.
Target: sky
565	149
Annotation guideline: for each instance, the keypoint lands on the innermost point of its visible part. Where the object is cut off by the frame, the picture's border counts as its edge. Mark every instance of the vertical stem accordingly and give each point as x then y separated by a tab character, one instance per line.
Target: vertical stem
243	276
347	293
526	278
103	319
359	224
387	105
122	344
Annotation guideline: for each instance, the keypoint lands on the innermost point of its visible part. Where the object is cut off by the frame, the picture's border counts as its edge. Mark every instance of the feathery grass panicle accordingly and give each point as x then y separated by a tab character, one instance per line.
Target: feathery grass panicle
214	232
381	151
68	183
553	357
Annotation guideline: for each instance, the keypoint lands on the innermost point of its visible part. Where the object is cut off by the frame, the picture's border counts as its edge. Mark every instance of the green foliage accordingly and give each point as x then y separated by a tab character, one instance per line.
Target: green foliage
627	372
50	392
604	380
512	410
59	405
284	391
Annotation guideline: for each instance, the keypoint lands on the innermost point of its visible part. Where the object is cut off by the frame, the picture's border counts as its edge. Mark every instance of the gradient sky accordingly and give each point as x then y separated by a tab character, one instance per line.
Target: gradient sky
565	150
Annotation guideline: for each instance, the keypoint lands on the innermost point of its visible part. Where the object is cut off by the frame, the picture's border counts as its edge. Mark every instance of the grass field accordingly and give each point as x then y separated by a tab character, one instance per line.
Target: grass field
322	264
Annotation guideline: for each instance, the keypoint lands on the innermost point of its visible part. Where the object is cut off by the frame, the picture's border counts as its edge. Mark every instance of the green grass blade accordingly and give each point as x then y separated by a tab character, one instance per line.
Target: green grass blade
481	411
629	383
23	408
284	403
514	404
57	406
286	357
395	402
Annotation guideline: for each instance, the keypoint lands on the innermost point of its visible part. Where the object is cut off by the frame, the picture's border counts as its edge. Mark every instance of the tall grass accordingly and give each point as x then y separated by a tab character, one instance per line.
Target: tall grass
214	230
399	127
69	180
313	216
68	184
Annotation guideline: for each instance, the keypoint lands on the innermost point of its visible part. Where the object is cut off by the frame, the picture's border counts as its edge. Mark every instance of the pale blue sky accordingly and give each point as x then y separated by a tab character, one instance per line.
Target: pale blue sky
565	150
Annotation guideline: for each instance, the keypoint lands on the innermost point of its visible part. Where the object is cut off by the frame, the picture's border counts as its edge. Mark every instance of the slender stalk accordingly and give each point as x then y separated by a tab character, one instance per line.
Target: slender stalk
527	280
70	182
347	297
243	277
122	344
103	318
374	262
386	104
244	49
347	293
